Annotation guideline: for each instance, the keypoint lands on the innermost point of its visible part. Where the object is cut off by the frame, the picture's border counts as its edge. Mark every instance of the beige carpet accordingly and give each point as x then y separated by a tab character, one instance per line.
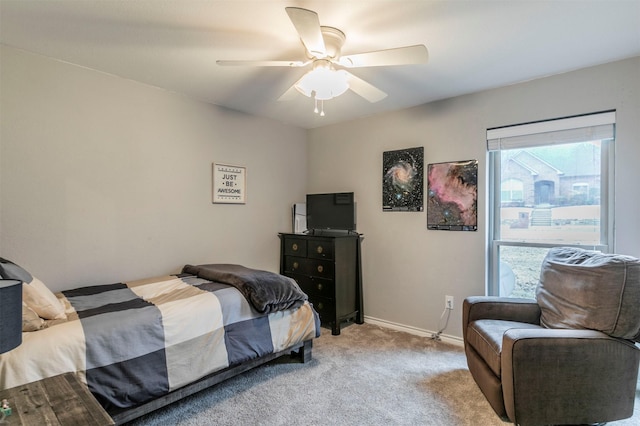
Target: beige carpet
366	376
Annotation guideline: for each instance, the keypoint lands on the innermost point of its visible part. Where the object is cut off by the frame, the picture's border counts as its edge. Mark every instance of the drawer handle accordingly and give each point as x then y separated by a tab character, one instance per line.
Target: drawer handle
295	265
319	286
320	268
294	247
319	249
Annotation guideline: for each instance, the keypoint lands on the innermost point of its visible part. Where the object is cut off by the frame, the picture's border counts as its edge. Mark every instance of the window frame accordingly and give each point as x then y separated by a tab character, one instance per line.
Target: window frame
494	243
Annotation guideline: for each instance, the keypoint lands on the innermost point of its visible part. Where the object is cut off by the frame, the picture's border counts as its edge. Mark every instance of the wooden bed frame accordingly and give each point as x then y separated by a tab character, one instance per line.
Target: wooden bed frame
301	352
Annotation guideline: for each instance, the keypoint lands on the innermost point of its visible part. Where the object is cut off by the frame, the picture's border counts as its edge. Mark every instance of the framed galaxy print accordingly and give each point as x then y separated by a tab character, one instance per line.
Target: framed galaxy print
452	196
403	180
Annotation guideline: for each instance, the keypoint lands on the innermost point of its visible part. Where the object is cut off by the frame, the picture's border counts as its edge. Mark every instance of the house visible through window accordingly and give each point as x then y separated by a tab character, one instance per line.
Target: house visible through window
512	191
551	184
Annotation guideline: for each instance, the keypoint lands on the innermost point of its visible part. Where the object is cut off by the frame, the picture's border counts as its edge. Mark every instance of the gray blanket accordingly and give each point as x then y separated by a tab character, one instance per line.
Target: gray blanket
266	291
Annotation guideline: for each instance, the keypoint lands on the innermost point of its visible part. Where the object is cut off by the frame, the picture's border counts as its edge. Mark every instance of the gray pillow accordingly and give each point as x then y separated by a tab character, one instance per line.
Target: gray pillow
11	271
585	289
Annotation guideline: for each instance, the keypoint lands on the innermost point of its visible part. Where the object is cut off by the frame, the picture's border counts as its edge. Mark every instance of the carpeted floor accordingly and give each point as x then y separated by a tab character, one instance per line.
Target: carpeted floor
368	375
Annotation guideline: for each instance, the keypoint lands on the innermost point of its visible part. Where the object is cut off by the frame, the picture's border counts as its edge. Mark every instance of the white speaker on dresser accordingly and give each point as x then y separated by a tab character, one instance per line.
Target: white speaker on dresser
299	215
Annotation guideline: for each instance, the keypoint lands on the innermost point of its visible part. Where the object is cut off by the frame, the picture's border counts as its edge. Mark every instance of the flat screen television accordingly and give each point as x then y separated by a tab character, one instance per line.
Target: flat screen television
336	211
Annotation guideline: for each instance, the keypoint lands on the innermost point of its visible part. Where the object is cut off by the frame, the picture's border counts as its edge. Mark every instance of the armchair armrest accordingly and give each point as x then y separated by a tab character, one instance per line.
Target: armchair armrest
548	371
499	308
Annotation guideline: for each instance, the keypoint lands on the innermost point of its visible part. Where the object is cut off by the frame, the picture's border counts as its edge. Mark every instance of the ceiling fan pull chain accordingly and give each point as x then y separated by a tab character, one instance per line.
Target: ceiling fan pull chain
322	108
316	108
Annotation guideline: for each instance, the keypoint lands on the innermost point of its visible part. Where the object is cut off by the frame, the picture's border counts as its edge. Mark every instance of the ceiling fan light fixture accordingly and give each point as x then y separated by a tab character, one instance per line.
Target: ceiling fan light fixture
323	82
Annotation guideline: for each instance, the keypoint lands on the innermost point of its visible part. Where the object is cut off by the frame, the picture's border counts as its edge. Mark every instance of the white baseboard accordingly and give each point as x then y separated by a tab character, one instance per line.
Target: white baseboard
454	340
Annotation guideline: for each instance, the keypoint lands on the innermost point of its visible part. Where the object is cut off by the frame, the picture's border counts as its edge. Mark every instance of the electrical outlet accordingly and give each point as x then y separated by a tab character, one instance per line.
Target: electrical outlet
448	302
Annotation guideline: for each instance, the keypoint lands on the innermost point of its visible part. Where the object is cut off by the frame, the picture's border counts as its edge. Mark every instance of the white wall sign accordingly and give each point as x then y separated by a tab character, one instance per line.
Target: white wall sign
229	184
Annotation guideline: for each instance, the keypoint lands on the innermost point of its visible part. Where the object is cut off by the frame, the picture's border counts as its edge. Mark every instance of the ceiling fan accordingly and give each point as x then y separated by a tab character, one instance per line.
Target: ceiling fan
328	77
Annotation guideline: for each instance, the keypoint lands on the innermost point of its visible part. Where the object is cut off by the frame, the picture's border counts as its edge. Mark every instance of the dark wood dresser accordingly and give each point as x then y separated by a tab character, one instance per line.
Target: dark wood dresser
328	269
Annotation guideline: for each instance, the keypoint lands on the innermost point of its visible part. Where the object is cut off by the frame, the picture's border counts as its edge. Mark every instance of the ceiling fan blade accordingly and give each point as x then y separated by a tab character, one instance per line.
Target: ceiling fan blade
308	26
293	64
364	89
291	92
417	54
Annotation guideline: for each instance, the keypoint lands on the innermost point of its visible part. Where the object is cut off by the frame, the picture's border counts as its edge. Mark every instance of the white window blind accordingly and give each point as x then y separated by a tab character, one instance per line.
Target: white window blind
598	126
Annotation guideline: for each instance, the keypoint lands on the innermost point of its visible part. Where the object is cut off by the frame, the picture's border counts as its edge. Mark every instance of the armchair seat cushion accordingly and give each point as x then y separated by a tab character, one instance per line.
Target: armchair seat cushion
485	336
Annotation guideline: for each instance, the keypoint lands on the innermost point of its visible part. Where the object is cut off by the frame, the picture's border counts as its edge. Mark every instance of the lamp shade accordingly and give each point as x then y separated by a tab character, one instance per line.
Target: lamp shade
10	314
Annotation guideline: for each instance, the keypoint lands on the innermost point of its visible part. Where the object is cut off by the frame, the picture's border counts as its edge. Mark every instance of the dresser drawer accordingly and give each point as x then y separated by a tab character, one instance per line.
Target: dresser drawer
295	265
326	309
315	287
320	249
313	267
295	246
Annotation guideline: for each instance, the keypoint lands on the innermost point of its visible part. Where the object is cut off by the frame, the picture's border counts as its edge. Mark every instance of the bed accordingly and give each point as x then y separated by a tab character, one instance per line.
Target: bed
142	344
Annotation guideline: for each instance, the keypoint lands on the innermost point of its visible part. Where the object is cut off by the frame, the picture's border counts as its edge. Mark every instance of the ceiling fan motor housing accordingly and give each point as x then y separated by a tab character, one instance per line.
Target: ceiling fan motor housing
333	41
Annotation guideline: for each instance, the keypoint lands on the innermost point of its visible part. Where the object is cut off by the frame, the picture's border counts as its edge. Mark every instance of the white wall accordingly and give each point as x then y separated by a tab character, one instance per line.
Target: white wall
104	179
408	269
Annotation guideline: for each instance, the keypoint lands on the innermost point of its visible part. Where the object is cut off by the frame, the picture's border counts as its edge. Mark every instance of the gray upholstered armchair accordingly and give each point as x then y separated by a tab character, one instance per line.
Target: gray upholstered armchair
568	357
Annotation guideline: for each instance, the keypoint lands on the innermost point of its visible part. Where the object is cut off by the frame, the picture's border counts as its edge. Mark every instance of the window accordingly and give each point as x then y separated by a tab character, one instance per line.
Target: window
551	184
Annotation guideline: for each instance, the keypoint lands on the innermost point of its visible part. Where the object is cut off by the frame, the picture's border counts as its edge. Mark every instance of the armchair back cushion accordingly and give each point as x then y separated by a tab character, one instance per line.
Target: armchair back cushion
582	289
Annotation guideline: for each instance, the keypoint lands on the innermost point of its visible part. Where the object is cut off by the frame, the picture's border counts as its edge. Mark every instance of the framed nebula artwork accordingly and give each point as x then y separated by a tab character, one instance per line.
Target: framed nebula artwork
403	180
452	196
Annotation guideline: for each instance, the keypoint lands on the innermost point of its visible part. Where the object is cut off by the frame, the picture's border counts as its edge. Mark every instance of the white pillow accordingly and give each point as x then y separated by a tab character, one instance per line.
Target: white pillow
30	320
43	302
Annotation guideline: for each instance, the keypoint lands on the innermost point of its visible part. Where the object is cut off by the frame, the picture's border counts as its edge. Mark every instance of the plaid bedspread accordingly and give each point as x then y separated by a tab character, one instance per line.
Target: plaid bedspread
135	341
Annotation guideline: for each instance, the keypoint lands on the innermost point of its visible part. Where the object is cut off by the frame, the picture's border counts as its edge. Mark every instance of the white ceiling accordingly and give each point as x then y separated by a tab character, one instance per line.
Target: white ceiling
473	45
